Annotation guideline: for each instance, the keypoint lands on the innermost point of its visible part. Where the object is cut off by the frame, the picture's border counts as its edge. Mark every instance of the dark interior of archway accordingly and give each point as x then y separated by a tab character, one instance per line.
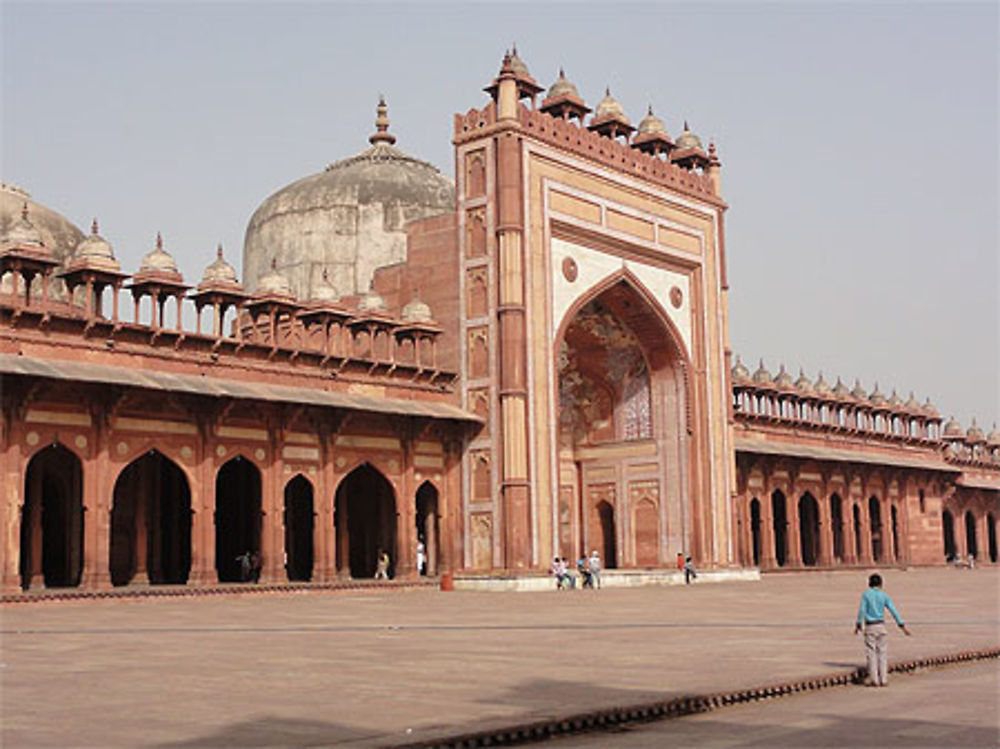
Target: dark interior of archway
366	498
948	531
52	519
237	517
779	513
606	515
895	532
809	529
837	521
755	530
151	522
875	525
971	545
299	521
856	511
991	536
428	527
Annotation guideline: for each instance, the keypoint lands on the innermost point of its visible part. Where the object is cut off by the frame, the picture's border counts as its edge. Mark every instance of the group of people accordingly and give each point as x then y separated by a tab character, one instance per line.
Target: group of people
588	568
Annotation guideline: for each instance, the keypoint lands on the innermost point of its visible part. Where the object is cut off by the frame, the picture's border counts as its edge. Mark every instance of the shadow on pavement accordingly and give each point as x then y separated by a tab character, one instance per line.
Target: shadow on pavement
275	732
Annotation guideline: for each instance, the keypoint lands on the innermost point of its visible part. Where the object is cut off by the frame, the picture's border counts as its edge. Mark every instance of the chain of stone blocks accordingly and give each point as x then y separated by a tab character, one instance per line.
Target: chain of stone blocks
597	720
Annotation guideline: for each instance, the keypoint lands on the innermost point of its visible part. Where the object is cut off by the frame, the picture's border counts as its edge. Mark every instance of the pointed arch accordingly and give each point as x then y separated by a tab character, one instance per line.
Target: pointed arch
365	521
428	519
150	522
51	543
299	521
238	521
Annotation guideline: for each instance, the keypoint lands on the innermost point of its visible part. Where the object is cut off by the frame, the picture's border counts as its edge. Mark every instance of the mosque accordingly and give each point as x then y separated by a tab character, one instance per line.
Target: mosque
529	360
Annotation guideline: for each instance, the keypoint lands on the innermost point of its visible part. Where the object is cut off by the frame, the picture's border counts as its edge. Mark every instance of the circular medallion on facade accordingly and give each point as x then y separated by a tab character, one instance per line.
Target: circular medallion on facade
341	461
221	451
32	438
676	297
437	477
312	470
186	452
80	441
569	269
393	466
259	453
288	468
122	448
418	476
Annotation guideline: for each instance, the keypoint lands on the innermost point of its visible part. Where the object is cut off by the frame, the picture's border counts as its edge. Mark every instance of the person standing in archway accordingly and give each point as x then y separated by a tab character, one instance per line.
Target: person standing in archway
382	566
871	615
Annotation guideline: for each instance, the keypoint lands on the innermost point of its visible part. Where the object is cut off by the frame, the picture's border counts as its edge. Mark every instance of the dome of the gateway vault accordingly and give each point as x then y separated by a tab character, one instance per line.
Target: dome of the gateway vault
347	220
59	235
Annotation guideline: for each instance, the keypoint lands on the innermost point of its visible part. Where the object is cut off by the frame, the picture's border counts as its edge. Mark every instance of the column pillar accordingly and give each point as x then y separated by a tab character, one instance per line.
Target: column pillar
273	522
866	534
406	526
96	501
825	533
203	509
850	541
12	501
793	534
767	556
327	556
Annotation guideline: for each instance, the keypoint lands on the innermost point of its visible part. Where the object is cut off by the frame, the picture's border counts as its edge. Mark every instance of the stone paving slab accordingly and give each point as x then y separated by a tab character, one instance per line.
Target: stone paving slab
375	668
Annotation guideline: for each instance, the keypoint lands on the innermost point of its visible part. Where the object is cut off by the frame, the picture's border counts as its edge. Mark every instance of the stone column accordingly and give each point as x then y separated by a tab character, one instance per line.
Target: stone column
450	507
11	502
825	533
767	555
326	543
866	534
406	526
793	535
272	506
96	502
850	540
203	508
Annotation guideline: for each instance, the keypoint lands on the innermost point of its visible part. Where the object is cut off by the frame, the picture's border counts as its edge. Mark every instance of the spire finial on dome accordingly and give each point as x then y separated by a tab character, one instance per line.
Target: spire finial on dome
159	241
382	134
562	73
686	127
218	251
94	229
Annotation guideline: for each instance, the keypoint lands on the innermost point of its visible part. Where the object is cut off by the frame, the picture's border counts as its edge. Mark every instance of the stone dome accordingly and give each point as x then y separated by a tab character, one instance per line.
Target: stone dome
58	234
822	387
652	124
993	438
609	108
220	271
416	311
740	372
975	434
96	250
877	397
783	379
348	219
517	64
23	233
841	390
372	301
687	139
324	291
930	409
158	260
858	393
912	404
804	384
273	282
952	429
762	376
562	87
894	400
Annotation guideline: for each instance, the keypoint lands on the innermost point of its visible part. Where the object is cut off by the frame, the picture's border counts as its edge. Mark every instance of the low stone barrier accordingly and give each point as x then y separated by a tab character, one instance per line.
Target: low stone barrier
676	707
609	579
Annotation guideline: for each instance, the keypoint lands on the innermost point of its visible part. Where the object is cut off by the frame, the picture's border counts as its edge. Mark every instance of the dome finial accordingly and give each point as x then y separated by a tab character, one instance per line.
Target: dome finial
94	229
218	251
159	241
382	134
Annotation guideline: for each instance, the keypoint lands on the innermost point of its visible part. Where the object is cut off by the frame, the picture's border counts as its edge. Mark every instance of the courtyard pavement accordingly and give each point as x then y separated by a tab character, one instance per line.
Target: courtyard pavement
374	668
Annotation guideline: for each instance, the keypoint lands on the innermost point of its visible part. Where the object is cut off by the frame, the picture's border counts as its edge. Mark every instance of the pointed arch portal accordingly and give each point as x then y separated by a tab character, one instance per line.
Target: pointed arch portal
365	520
238	519
52	519
150	523
299	525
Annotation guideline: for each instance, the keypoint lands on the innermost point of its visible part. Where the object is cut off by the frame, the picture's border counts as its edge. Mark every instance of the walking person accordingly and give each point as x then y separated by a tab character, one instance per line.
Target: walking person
689	571
595	568
871	617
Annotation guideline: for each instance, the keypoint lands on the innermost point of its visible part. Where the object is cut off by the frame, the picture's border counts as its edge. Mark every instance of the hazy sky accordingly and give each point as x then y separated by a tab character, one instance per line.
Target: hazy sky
859	143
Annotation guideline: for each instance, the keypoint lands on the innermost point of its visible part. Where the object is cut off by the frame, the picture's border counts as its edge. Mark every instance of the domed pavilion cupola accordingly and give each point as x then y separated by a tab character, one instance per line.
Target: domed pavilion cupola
841	391
271	302
803	384
740	373
762	377
913	405
24	255
783	379
974	435
564	101
609	119
220	289
513	68
952	431
821	386
159	279
652	136
877	398
93	266
688	152
859	393
420	328
993	438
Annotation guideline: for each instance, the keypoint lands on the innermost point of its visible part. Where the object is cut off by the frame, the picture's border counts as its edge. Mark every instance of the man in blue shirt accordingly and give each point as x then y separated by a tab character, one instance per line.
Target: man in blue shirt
871	616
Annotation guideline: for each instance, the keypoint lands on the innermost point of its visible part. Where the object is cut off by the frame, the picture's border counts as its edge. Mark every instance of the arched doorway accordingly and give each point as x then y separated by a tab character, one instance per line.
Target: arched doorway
875	526
428	528
365	521
755	530
856	512
647	534
299	523
809	529
606	541
238	520
895	533
150	523
991	536
780	516
971	545
622	399
52	519
837	523
948	531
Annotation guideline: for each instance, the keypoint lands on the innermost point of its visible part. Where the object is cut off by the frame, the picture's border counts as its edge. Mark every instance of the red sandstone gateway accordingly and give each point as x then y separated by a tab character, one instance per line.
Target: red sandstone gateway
530	362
